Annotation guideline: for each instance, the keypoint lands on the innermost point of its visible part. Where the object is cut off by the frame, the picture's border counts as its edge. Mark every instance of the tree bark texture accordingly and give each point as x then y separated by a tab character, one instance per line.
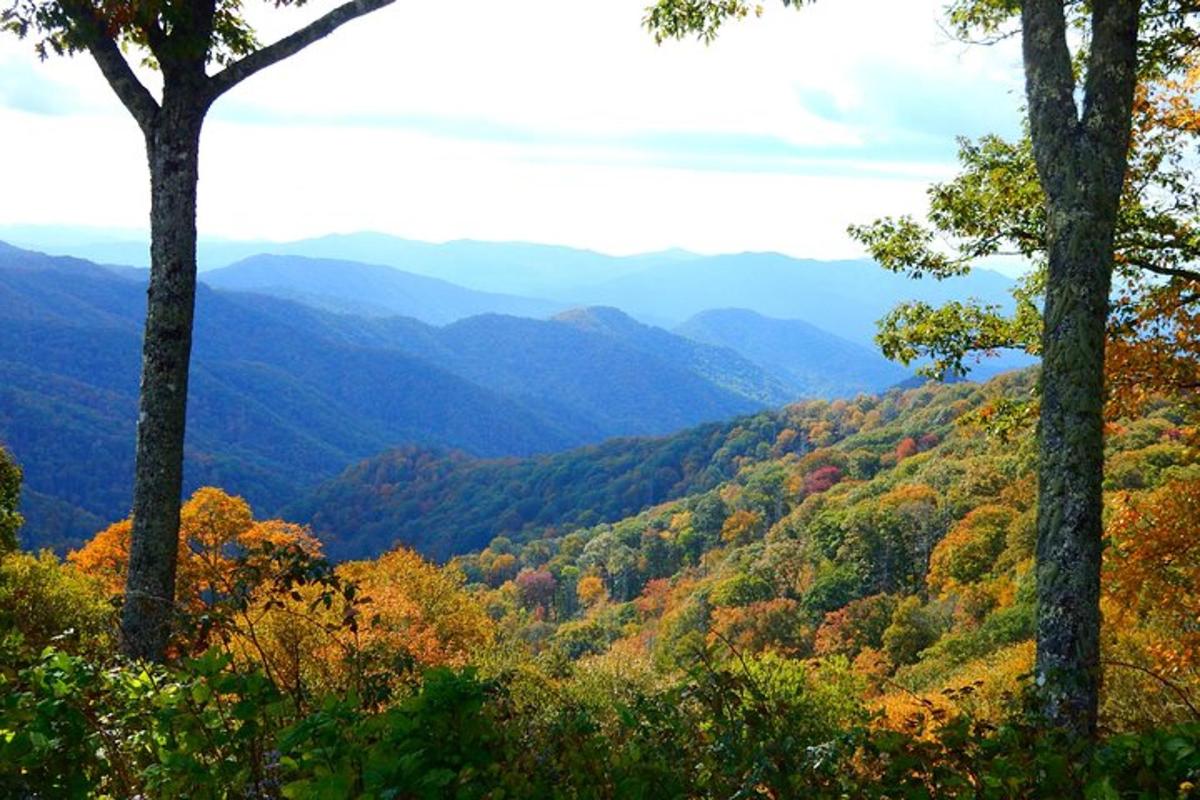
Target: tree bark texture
1081	159
172	148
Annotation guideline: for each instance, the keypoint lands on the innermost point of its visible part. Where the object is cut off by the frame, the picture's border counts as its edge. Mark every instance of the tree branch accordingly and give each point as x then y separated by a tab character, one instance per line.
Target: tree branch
243	68
1049	90
1179	692
116	70
1109	86
1174	272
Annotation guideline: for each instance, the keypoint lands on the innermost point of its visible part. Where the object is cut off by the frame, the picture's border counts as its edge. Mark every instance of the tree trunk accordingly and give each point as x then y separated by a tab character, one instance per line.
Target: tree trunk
172	147
1081	157
1071	472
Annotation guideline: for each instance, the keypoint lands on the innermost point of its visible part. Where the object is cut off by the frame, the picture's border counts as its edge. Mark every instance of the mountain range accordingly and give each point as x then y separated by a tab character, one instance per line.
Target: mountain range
284	395
811	362
370	290
841	297
303	366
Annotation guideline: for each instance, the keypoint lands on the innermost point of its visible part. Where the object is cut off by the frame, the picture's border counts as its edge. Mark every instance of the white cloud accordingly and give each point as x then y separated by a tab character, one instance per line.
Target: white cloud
391	125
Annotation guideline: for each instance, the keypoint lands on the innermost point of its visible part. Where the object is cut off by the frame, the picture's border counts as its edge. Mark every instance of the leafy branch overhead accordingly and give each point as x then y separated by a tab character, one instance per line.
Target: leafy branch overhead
678	19
994	207
174	35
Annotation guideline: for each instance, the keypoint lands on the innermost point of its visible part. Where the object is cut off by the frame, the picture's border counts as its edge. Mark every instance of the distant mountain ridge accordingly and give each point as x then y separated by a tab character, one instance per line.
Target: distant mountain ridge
351	287
845	298
666	288
810	361
283	395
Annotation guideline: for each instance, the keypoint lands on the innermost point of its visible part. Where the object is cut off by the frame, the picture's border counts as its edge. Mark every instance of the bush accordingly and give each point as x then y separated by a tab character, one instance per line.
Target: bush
47	601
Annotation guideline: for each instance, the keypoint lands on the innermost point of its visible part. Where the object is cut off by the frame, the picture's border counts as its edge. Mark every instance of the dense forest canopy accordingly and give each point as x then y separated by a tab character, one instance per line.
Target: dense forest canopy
845	570
939	590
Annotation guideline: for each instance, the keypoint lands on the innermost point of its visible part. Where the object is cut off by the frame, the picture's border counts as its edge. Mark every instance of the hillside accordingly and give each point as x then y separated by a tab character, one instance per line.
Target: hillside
445	504
284	395
813	362
892	535
895	533
274	405
351	287
718	363
837	596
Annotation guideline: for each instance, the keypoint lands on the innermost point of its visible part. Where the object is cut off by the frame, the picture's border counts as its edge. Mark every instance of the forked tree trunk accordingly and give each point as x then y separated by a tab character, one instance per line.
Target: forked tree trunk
183	49
172	147
1081	157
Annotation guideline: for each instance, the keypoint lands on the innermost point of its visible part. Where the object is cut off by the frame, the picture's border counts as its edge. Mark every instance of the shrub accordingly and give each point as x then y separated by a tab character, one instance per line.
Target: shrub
47	601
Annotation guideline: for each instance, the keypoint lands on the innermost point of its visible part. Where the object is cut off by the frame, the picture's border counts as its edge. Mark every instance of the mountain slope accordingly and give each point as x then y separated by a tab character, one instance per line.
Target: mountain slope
814	363
717	363
845	298
448	503
368	289
274	407
584	373
283	395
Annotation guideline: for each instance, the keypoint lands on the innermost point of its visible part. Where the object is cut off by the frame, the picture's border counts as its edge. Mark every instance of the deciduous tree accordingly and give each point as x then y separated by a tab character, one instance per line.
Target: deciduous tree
216	531
182	39
1080	125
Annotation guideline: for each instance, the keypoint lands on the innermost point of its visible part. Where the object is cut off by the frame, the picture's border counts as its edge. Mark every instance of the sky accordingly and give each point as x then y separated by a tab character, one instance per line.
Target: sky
555	121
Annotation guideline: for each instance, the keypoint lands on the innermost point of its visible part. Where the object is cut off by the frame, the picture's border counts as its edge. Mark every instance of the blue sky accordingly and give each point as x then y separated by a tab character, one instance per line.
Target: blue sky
545	120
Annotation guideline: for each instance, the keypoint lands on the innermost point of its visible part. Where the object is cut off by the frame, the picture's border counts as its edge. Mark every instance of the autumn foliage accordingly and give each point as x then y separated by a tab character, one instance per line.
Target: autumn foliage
216	531
842	583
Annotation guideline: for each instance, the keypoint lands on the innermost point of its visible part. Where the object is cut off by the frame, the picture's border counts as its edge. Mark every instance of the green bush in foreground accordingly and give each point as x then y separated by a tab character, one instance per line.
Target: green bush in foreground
72	728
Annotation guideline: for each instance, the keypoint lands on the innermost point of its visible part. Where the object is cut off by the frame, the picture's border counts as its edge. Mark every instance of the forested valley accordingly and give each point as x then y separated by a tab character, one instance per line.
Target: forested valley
843	609
361	516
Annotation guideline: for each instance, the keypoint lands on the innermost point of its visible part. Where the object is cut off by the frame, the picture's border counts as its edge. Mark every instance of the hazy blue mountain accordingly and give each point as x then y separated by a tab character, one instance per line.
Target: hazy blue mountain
284	395
714	361
505	267
813	362
592	383
585	376
368	289
845	298
276	405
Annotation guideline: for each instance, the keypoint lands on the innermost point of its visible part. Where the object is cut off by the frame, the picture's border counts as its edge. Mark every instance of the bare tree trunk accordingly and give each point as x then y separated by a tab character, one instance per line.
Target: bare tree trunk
1071	471
1081	158
172	147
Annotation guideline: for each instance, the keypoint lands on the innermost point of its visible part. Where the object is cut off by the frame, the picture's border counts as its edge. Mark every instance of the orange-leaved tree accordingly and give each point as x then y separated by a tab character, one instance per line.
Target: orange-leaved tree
1152	569
217	532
